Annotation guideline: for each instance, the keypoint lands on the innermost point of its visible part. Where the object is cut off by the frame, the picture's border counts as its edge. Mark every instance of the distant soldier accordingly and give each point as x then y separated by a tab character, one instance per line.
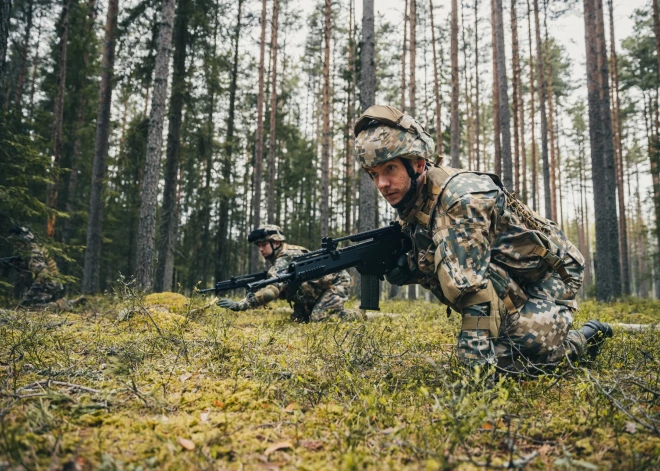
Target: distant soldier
510	273
312	301
36	265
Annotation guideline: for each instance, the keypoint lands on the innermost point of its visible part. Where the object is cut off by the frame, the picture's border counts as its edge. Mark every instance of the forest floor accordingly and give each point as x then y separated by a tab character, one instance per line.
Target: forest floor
176	385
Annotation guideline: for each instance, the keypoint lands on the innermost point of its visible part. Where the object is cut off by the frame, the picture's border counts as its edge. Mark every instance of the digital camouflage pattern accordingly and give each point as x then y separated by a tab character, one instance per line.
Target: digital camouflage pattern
314	300
278	235
512	274
36	264
378	142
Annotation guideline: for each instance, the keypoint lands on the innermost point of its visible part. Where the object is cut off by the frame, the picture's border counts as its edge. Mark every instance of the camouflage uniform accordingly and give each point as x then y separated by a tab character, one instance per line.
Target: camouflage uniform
312	301
512	274
44	276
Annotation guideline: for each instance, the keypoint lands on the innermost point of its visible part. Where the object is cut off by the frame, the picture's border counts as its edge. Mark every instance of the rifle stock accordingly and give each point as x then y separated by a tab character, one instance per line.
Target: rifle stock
374	254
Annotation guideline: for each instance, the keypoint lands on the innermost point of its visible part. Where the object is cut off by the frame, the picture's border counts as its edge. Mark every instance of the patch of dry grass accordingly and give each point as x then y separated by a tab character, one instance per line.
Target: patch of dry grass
176	387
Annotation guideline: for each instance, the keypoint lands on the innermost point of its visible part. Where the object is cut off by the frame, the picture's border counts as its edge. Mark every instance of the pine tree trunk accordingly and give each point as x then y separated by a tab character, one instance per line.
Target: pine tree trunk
618	146
149	191
503	97
403	58
270	184
497	143
221	271
542	89
90	283
325	146
58	118
168	216
5	14
259	145
367	98
608	276
467	94
477	127
551	124
413	57
516	102
532	112
24	56
350	109
455	131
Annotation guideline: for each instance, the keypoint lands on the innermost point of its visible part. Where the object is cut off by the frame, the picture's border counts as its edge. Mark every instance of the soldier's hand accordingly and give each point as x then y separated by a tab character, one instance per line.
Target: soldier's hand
401	273
229	304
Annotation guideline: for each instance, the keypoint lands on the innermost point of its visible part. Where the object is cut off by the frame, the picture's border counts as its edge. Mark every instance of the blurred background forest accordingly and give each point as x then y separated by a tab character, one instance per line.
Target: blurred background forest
147	138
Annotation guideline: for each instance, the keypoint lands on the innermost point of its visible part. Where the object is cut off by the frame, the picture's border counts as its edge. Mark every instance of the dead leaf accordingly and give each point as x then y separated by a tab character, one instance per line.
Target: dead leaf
277	446
219	404
185	443
312	444
185	377
487	426
205	415
631	427
291	407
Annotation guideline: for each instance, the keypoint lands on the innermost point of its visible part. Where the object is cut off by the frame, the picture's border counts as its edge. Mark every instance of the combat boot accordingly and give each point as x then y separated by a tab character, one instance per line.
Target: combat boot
595	332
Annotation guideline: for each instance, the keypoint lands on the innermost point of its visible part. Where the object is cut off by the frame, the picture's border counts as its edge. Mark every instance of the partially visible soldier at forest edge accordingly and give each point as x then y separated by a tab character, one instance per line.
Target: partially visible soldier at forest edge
512	274
313	301
35	263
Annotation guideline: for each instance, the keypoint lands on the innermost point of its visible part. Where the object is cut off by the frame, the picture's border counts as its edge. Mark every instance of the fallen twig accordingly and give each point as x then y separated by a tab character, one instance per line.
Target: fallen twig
48	382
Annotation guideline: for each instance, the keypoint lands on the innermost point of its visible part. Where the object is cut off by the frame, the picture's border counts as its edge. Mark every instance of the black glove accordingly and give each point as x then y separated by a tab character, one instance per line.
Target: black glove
401	273
229	304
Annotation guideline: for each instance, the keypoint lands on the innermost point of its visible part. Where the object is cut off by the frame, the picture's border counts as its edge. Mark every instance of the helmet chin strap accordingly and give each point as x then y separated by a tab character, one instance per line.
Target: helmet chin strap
410	194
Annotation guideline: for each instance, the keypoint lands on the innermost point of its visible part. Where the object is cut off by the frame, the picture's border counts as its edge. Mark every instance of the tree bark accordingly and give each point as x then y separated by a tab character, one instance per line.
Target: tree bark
270	188
24	56
623	225
259	145
92	266
413	58
367	98
517	101
532	112
5	14
58	118
497	134
503	95
325	146
542	89
551	124
455	131
403	58
477	129
436	86
149	191
169	215
608	275
350	107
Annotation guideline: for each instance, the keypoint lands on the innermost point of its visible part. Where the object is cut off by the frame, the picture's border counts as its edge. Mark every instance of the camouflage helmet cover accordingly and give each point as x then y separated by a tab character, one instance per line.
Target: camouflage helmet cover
266	232
384	133
21	234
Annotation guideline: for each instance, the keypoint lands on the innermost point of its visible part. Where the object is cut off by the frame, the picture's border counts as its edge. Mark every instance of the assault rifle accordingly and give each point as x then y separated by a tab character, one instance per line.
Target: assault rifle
375	253
236	282
9	260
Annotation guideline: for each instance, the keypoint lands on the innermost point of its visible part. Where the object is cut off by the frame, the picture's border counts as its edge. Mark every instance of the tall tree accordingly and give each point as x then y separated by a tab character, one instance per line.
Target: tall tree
455	131
270	184
325	149
169	214
367	98
542	89
58	119
403	58
350	109
477	104
551	112
413	57
608	275
516	103
5	13
503	95
259	145
95	222
618	152
532	117
149	191
230	148
436	85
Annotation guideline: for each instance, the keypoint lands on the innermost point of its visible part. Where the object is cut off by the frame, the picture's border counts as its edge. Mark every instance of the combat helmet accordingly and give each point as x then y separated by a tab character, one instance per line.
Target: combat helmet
384	133
21	234
266	232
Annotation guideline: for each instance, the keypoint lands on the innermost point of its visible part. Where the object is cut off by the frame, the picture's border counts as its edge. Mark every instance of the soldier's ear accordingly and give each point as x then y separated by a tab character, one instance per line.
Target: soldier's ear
420	165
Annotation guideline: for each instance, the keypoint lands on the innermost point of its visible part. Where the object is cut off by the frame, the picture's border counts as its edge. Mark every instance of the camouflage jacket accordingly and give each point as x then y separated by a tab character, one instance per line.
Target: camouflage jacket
36	260
473	243
307	293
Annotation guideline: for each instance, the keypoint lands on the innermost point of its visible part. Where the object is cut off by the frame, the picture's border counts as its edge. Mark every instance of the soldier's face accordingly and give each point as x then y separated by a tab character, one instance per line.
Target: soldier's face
265	249
392	180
